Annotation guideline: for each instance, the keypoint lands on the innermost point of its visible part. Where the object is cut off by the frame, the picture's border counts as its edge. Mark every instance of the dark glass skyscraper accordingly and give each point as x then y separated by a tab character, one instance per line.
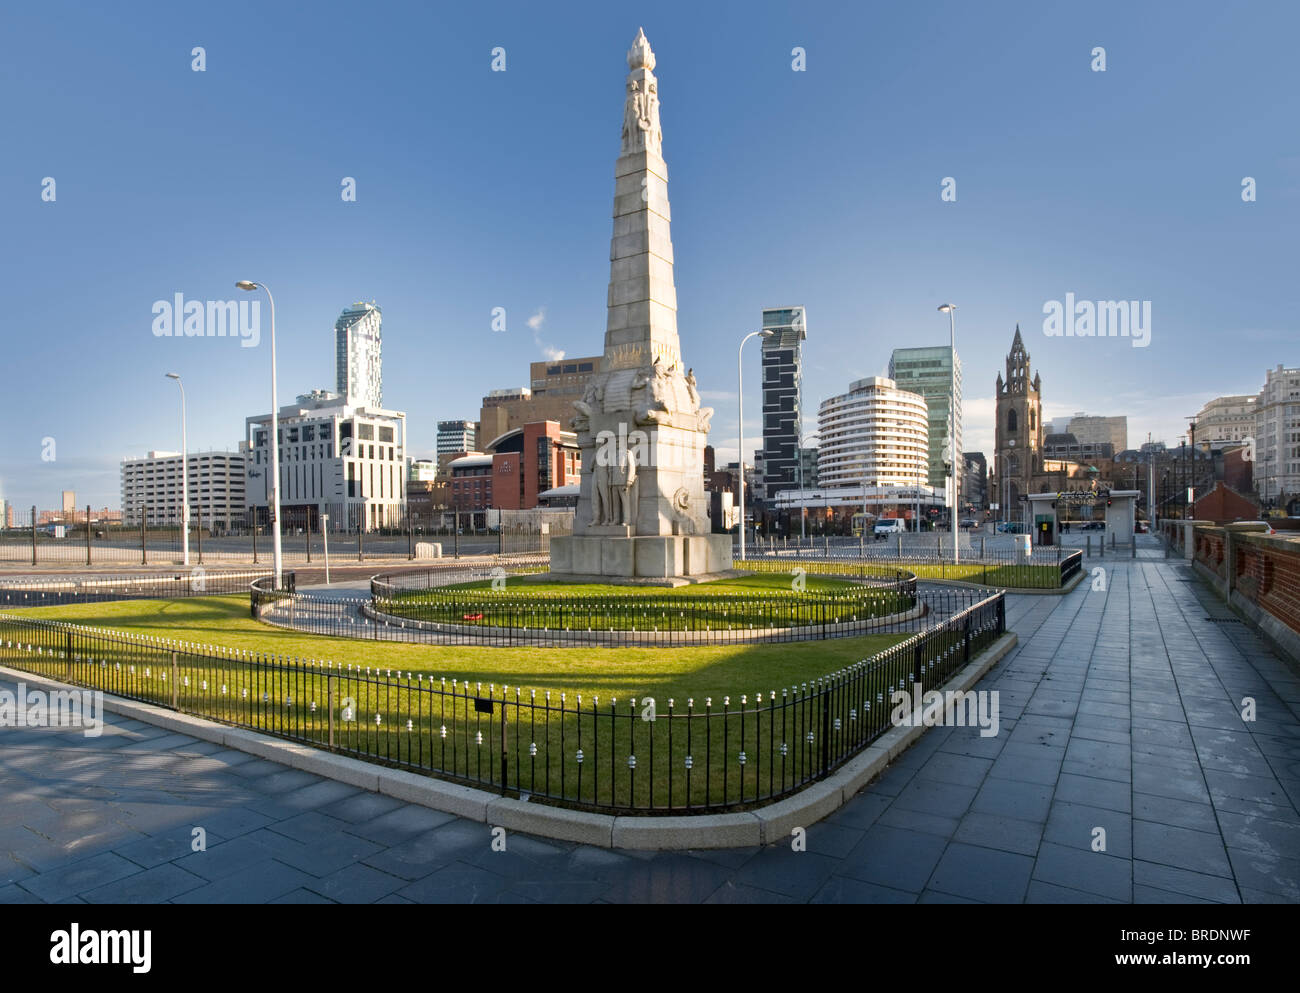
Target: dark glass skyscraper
782	376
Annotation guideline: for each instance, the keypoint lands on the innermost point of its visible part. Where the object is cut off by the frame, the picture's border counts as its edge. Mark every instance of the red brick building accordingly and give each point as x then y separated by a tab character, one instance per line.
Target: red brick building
516	467
1224	505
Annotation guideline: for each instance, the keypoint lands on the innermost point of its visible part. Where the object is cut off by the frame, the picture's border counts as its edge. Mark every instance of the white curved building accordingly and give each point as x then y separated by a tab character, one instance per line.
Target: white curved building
876	434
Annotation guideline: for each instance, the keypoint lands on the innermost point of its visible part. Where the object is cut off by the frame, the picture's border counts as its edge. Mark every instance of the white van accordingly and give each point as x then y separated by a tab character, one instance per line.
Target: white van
889	525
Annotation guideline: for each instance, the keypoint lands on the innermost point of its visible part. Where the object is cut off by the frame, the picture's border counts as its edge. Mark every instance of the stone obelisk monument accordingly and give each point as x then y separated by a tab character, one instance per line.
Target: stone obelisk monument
642	515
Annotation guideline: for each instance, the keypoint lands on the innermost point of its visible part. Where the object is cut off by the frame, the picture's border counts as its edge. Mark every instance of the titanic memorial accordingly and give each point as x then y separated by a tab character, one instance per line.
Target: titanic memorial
642	515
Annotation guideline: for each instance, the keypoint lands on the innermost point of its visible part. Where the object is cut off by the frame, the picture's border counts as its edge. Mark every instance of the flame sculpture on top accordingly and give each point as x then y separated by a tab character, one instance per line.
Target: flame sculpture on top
641	509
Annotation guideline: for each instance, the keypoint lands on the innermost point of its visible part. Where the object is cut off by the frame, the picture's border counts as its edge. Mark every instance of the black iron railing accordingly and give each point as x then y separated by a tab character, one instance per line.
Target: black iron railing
55	591
514	614
641	754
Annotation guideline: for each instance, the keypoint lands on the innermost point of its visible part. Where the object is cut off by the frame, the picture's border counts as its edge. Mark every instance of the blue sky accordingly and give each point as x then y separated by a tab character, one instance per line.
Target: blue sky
480	189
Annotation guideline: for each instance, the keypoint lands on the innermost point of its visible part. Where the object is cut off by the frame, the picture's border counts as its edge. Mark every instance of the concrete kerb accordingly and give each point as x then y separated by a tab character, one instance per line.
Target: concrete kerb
635	832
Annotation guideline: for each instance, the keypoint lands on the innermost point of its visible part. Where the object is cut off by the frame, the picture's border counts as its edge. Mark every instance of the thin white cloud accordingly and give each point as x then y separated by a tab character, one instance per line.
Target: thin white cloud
549	352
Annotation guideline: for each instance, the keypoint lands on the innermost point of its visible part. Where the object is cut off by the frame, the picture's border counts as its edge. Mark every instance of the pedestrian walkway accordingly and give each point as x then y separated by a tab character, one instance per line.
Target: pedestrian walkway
1120	712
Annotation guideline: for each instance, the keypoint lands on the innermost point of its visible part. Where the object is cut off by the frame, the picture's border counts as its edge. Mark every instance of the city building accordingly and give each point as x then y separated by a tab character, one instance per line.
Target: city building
1068	446
421	471
974	487
336	457
69	501
875	435
456	437
1093	430
216	481
782	379
808	467
358	356
517	468
929	372
1226	418
553	387
1277	438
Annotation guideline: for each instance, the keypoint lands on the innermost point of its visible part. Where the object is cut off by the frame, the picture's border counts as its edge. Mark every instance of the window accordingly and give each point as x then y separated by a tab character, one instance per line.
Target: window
385	434
366	432
1011	420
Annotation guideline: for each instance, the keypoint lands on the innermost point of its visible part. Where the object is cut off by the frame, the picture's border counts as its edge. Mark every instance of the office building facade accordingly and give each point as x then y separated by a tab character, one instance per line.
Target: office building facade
335	457
456	437
930	372
151	486
1277	437
553	387
875	435
1225	419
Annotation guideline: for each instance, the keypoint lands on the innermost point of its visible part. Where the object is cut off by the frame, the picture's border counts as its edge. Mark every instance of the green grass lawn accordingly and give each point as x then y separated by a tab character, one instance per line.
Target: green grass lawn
764	600
393	703
681	671
727	701
1035	577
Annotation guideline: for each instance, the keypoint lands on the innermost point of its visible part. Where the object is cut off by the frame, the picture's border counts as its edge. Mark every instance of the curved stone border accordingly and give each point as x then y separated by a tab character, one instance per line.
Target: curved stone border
650	639
644	832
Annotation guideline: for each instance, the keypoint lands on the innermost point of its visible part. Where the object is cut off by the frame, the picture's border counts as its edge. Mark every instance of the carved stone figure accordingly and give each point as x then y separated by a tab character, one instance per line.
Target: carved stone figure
623	485
690	387
634	114
600	494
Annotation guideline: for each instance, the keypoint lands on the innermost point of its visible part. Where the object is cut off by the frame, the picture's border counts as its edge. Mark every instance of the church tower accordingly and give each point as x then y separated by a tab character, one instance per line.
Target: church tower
1019	435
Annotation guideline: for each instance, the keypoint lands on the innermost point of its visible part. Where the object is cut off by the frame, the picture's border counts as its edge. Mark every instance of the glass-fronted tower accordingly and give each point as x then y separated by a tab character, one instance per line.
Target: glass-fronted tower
358	360
929	372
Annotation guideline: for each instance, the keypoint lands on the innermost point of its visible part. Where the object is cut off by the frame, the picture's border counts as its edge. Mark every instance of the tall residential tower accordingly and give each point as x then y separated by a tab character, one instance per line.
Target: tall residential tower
782	364
358	362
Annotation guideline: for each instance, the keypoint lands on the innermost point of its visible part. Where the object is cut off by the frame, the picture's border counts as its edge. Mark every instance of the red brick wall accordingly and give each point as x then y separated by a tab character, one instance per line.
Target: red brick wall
1269	576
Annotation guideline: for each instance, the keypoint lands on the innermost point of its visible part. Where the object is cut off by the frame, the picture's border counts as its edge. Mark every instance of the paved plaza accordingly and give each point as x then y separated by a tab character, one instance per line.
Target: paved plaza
1120	710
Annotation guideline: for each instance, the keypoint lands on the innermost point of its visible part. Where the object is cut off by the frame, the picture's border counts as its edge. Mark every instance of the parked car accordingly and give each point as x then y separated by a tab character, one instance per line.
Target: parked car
1093	526
1009	527
968	523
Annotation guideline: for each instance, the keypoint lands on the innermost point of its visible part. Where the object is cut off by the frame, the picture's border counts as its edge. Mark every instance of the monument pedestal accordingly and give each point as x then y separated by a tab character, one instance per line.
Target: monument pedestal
648	557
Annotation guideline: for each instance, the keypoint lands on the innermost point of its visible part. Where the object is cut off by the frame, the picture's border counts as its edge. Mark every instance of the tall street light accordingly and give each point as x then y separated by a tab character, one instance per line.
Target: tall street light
249	286
950	309
185	484
799	447
740	383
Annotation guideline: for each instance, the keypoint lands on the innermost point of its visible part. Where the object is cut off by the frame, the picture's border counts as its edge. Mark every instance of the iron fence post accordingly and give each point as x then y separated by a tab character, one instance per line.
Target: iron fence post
144	553
503	741
329	706
33	534
826	730
87	534
69	666
175	680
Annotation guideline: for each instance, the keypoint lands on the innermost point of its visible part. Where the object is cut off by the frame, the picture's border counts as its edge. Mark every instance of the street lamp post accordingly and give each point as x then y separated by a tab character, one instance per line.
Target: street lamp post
740	384
185	481
325	537
278	557
950	310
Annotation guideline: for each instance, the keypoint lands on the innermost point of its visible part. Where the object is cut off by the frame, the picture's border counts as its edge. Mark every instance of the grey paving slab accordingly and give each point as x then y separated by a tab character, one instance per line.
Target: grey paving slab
1119	709
982	874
